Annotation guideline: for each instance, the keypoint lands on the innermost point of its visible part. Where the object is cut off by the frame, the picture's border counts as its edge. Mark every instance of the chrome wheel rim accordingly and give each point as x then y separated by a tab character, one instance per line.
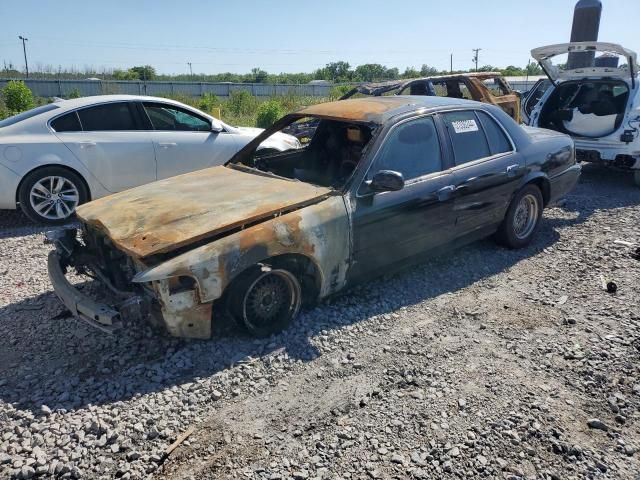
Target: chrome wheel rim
525	216
54	198
271	299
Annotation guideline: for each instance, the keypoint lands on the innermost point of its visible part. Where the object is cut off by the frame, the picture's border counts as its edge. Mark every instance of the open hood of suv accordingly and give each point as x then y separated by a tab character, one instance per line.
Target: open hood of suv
544	56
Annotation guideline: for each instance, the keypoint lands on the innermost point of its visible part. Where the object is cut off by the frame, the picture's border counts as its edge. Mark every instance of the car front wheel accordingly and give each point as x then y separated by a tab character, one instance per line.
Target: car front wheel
266	300
50	195
522	218
636	177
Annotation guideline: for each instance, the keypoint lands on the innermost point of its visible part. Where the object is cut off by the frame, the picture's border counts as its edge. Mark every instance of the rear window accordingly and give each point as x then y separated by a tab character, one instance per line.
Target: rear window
498	141
467	138
67	123
108	117
28	114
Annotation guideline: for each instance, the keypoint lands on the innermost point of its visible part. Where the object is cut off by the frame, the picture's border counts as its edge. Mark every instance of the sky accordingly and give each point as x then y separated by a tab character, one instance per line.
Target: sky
292	36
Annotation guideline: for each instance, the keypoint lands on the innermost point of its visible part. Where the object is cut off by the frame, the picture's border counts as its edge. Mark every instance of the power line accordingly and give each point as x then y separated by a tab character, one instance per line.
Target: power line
475	56
24	49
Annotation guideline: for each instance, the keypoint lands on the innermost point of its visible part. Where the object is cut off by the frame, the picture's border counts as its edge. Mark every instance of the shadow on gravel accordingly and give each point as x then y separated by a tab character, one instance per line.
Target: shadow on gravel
13	224
65	364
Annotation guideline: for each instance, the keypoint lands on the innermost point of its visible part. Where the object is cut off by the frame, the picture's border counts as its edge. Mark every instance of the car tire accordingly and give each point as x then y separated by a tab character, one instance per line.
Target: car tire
522	218
50	195
265	301
636	177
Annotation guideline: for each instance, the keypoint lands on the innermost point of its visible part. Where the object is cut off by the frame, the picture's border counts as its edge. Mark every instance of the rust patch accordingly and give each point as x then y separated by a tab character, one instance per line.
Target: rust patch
357	109
168	214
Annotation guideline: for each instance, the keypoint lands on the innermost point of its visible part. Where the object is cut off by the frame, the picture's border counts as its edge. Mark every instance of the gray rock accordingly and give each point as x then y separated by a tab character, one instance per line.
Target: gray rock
597	424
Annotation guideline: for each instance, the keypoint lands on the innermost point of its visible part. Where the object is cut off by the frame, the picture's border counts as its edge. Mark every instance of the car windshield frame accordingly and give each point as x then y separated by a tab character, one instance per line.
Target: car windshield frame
238	160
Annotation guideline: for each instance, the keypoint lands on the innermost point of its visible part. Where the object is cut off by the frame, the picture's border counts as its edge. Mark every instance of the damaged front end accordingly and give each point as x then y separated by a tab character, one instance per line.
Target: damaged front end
89	255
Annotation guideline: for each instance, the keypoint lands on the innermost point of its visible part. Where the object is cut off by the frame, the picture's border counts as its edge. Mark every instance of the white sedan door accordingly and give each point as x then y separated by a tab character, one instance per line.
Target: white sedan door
184	141
106	138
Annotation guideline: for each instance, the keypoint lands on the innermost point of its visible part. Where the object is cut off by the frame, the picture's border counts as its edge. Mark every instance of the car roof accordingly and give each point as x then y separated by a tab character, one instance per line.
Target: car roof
380	109
96	99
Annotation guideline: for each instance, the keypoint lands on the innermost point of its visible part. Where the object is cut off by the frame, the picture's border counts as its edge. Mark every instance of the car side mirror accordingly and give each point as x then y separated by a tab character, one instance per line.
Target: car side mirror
216	127
387	181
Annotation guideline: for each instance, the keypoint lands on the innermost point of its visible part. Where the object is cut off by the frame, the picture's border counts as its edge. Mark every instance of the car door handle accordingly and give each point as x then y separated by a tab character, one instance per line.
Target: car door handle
167	144
512	170
445	193
87	144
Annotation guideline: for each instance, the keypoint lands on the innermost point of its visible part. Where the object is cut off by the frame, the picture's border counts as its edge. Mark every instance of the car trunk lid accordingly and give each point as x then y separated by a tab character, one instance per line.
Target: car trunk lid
559	52
163	216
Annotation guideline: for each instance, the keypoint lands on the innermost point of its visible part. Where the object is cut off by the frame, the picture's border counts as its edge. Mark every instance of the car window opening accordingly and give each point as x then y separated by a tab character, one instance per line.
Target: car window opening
586	109
331	151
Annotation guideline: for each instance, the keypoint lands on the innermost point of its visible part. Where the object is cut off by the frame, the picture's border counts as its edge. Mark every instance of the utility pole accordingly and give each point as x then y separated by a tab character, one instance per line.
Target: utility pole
451	63
475	56
190	69
24	49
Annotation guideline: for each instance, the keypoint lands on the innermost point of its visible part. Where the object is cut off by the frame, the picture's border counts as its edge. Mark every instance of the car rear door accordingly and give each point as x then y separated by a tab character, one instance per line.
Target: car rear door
487	169
184	141
108	140
389	227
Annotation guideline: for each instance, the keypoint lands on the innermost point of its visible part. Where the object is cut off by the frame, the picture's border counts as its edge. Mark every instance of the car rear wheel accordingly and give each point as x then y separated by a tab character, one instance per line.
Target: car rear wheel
522	218
265	301
50	195
636	177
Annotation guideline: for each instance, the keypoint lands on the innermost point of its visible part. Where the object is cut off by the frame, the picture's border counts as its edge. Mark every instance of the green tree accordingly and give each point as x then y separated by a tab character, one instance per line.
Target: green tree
336	72
145	72
512	71
17	96
534	69
124	75
427	71
259	76
411	72
370	72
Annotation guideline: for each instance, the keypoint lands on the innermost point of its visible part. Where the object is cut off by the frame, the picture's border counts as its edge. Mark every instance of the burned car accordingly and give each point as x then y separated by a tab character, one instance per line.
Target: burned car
486	87
383	182
594	97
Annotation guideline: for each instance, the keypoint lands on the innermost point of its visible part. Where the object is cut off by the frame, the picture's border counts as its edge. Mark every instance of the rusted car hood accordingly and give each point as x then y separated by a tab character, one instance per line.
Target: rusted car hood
162	216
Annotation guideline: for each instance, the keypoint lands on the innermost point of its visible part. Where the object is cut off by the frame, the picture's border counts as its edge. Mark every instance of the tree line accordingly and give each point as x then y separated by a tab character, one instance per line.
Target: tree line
337	72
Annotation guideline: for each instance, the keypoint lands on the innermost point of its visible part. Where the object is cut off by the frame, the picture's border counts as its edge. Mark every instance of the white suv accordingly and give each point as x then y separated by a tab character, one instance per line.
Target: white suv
599	105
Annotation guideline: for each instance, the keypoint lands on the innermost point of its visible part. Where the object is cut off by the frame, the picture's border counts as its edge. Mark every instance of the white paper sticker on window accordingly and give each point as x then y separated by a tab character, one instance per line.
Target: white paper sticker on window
464	126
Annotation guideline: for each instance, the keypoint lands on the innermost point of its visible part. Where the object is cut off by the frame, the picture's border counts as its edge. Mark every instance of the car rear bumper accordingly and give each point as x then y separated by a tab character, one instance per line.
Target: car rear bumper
9	182
564	182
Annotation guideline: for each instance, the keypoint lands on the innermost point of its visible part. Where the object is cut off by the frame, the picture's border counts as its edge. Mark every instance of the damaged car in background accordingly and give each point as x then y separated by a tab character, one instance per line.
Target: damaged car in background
485	87
598	105
383	182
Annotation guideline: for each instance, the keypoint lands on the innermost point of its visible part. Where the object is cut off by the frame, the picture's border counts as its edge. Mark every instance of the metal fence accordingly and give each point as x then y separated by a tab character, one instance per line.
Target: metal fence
84	88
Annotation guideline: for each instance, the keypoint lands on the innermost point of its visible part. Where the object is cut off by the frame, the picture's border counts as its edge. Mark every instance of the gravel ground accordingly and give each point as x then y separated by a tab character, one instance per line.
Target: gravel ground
485	363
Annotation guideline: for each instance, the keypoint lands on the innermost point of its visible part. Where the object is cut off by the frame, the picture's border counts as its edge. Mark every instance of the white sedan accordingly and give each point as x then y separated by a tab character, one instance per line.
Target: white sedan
57	156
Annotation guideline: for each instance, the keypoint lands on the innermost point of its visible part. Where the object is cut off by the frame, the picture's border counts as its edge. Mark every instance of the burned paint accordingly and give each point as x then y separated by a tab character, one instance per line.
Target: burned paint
166	215
318	233
356	110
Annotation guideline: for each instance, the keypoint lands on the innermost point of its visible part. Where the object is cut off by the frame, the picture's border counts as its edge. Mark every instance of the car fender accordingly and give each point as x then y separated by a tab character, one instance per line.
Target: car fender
319	233
537	177
25	158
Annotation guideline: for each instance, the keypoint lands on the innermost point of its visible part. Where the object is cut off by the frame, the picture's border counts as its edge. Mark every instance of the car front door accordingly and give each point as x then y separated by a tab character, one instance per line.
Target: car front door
185	141
109	141
487	171
392	226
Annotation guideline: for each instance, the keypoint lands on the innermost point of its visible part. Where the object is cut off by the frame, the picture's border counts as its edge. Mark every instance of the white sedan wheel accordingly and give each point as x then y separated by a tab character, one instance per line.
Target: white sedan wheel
54	198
